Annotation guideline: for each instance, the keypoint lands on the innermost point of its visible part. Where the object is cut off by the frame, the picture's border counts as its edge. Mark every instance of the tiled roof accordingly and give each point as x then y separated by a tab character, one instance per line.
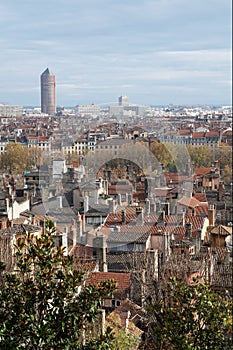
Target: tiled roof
116	219
122	279
115	322
189	202
198	135
185	132
130	210
201	197
130	236
116	189
202	171
160	192
221	230
19	229
212	134
81	251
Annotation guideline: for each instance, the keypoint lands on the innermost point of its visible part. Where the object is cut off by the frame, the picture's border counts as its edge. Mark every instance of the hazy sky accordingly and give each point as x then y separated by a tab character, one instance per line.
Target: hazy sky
153	51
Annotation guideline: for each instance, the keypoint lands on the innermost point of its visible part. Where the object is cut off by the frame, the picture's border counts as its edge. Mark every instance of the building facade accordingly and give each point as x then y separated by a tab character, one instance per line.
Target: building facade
48	92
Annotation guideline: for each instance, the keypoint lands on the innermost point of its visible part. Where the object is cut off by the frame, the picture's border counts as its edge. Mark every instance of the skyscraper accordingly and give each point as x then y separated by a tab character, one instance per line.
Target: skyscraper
48	92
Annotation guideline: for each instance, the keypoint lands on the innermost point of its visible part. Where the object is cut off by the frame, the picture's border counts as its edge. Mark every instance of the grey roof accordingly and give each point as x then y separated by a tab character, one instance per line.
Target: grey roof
47	72
17	229
126	237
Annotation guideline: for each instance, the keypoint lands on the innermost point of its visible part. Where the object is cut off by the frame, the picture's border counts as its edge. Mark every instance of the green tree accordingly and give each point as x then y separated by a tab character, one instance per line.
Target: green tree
190	317
45	304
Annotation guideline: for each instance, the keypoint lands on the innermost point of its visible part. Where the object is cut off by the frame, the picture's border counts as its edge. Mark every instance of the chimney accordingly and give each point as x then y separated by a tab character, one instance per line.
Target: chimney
220	191
166	208
112	206
211	215
216	164
180	219
59	202
188	168
83	217
188	230
99	243
77	227
129	198
165	246
123	217
125	315
96	196
161	217
74	229
65	240
140	214
147	206
86	204
119	199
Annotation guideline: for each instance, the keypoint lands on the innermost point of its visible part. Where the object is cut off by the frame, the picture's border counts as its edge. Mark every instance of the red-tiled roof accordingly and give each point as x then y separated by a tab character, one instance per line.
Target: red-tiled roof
202	171
116	189
122	279
212	134
185	132
197	135
201	197
189	202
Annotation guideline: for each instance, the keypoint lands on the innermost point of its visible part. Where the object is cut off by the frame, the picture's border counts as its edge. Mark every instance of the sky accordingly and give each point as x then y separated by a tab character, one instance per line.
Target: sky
157	52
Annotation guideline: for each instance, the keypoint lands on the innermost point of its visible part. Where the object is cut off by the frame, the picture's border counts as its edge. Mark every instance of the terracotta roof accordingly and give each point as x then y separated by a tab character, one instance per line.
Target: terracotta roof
114	319
189	202
212	134
197	135
116	189
202	171
185	132
122	279
160	192
201	197
116	219
227	132
221	230
81	251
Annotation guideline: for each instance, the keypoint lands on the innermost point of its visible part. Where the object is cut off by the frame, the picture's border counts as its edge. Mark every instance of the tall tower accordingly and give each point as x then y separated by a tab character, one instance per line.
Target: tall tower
123	101
48	92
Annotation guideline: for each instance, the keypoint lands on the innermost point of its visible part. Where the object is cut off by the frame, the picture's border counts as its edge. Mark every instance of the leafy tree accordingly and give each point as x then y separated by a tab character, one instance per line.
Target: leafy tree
162	154
189	316
45	303
124	341
18	158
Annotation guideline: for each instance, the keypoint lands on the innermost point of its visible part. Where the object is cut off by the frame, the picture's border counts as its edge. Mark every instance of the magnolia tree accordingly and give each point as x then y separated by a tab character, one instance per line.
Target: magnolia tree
45	303
190	317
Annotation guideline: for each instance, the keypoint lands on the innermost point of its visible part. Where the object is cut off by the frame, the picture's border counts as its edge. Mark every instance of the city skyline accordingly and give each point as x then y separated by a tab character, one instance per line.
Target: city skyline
156	52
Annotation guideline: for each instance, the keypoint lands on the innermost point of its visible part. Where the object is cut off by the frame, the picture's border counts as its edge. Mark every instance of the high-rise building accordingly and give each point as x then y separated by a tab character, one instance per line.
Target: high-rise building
48	92
123	101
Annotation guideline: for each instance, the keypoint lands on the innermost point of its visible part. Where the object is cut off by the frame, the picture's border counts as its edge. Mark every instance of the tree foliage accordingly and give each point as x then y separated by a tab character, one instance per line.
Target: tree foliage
204	156
18	158
189	317
45	304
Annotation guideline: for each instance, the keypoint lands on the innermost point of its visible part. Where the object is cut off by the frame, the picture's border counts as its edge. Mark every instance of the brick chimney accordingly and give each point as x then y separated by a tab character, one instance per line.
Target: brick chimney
211	215
220	191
